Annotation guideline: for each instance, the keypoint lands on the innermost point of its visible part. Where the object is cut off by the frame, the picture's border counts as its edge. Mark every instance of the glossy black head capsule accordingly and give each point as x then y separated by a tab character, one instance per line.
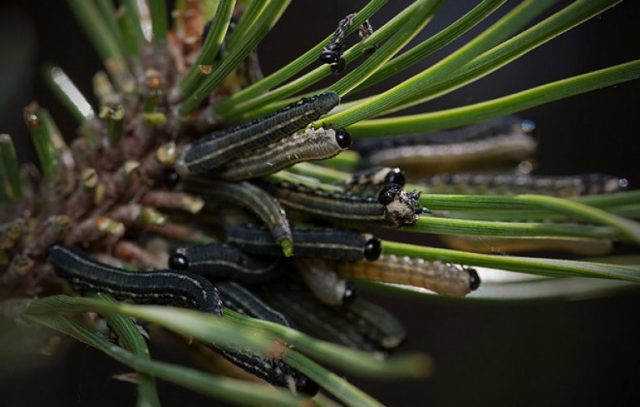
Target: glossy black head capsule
389	193
329	57
372	249
307	386
343	138
350	292
395	176
332	53
172	178
474	279
178	261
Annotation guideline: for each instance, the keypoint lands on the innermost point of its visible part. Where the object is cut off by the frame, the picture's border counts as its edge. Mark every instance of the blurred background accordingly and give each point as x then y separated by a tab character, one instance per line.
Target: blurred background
581	352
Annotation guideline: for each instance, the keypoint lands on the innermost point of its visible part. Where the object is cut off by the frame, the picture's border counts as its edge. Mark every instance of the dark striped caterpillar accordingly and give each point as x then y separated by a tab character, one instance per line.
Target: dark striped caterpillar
312	144
394	207
263	205
499	140
85	274
443	278
223	262
325	243
561	186
217	148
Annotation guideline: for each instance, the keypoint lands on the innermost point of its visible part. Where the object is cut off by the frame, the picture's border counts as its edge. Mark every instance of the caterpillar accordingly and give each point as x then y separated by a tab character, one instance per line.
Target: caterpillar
85	274
325	243
394	207
332	52
223	262
312	144
561	186
217	148
500	140
442	278
274	371
252	198
475	132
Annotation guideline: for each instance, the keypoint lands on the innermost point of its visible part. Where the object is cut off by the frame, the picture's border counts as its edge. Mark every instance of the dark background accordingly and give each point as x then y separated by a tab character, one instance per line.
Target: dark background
550	353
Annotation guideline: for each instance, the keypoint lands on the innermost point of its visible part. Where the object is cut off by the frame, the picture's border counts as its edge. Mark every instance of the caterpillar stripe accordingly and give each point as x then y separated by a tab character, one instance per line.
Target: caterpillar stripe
223	262
324	282
326	243
442	278
561	186
85	274
254	199
394	207
217	148
312	144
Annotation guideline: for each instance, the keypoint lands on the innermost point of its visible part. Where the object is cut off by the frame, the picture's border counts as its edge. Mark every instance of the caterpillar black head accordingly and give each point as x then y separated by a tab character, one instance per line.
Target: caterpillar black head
474	279
372	249
172	178
178	261
343	138
306	386
395	176
332	53
389	193
329	57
